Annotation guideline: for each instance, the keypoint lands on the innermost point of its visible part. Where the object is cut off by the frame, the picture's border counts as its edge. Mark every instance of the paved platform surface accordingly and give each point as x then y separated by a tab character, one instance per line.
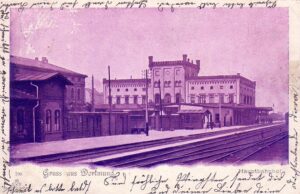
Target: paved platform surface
62	146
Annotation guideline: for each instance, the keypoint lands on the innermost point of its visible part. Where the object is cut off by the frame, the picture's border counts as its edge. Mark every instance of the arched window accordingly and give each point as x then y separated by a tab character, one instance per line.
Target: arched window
20	121
78	94
167	98
57	120
48	121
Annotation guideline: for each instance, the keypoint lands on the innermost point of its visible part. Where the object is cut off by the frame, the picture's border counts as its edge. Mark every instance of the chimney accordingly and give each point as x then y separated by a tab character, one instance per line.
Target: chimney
150	59
184	57
36	58
198	62
188	59
238	74
44	60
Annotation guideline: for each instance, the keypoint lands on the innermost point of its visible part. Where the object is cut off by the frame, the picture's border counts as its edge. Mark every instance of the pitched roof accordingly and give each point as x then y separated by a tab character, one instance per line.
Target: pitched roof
40	65
237	76
38	76
126	80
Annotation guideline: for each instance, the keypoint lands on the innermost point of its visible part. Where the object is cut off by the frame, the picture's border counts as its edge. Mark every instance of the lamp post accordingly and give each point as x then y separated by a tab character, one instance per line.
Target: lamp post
220	111
109	101
147	115
160	105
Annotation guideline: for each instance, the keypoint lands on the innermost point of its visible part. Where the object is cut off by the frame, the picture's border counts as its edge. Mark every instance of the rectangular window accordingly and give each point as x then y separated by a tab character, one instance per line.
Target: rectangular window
202	99
135	99
221	98
126	99
211	98
192	98
143	99
118	99
217	118
230	98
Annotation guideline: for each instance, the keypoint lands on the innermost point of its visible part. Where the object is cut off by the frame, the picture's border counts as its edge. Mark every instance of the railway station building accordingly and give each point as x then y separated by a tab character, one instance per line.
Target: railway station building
229	99
41	96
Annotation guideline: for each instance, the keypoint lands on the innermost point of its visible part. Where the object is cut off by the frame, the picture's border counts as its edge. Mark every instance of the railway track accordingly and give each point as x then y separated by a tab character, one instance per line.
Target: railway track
79	155
209	151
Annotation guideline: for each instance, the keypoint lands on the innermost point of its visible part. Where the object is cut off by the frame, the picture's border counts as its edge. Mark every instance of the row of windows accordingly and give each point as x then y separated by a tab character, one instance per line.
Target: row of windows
49	123
166	99
211	82
135	89
166	71
212	87
167	84
84	123
246	89
126	99
202	99
127	85
247	99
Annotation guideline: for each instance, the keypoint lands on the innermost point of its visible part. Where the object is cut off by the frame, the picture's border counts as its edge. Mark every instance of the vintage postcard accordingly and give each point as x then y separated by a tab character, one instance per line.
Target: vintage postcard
162	97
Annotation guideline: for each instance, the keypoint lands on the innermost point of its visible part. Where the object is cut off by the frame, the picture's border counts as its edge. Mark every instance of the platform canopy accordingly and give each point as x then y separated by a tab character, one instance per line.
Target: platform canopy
191	109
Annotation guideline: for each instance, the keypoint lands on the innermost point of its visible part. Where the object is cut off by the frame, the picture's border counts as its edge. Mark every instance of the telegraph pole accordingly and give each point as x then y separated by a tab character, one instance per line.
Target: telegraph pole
147	117
160	105
220	117
109	101
93	95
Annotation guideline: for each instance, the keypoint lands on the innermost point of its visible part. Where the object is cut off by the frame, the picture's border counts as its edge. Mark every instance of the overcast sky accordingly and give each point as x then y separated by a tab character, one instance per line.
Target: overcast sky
253	42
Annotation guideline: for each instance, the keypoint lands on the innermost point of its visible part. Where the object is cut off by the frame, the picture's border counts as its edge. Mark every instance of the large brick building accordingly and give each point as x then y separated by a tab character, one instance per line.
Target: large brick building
41	96
74	94
47	102
229	98
178	82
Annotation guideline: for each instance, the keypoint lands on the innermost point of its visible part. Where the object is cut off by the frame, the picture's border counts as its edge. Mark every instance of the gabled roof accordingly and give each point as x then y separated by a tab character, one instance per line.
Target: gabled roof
126	81
34	63
208	77
38	76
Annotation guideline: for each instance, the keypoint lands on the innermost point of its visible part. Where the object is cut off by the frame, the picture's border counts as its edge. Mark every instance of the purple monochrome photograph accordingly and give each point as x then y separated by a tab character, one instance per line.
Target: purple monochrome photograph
140	88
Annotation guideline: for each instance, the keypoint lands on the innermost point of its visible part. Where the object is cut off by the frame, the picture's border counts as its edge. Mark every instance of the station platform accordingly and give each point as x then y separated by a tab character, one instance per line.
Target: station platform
27	150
